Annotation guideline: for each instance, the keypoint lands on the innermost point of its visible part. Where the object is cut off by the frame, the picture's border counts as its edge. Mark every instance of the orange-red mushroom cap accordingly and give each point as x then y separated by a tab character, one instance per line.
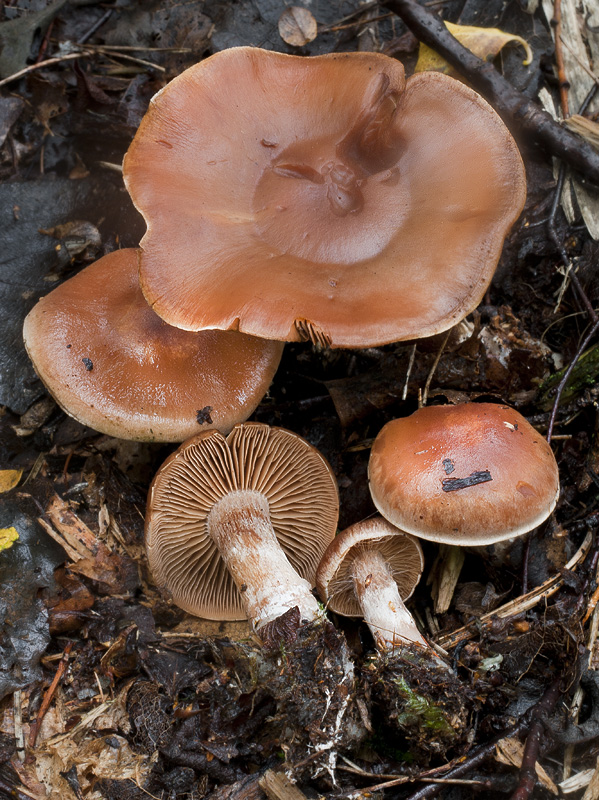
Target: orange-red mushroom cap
402	554
322	198
113	364
470	474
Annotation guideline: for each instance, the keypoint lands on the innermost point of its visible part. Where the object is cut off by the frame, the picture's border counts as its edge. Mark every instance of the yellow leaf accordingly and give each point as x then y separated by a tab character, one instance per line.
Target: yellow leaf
483	42
9	479
7	537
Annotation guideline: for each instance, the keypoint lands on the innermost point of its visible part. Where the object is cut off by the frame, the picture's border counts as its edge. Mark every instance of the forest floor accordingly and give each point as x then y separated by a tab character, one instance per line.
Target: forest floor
107	689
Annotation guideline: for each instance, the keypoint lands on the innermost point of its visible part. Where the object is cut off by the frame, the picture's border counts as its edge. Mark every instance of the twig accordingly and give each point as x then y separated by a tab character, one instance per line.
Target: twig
427	385
404	394
365	21
475	758
528	775
48	62
516	109
96	26
522	603
559	58
562	384
117	54
34	729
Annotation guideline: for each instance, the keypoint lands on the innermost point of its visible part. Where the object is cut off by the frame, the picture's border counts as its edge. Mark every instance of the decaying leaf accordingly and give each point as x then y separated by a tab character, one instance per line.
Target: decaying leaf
580	54
587	128
510	751
7	537
297	26
16	37
483	42
9	478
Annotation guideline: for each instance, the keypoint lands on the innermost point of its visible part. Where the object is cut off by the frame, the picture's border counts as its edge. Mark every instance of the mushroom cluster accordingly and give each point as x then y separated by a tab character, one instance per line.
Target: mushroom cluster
113	364
323	199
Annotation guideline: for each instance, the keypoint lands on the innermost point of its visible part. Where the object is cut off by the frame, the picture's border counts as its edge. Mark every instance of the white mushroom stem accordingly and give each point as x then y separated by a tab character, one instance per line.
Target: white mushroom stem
384	611
240	526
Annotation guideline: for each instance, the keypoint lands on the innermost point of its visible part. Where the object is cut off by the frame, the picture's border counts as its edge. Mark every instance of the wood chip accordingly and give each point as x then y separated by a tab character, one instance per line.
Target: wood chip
278	787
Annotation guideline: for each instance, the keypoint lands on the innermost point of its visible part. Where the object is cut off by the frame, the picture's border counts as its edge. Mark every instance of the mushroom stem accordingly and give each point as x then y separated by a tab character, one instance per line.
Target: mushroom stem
384	611
241	528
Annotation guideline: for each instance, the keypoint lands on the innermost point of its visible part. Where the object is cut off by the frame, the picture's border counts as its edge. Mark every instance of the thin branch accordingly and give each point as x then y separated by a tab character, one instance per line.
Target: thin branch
528	775
433	369
559	59
34	729
516	109
47	63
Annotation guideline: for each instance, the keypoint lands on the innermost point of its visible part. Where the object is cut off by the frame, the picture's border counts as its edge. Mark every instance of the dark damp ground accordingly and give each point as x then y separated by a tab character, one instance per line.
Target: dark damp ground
148	702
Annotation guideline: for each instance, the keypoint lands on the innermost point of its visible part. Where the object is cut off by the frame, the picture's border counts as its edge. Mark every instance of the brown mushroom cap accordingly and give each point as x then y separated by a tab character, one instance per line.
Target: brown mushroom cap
320	198
402	553
114	365
470	474
293	476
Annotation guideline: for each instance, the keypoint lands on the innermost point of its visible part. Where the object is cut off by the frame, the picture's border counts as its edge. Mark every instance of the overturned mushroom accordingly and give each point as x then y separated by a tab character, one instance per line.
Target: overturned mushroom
236	527
368	571
324	199
114	365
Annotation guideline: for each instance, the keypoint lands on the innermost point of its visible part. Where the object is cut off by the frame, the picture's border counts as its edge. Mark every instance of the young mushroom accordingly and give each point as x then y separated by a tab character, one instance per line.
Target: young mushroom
236	526
470	474
368	571
324	199
113	364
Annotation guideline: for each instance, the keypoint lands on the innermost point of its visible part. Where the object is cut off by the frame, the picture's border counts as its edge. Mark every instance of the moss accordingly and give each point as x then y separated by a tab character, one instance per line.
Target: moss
585	374
418	710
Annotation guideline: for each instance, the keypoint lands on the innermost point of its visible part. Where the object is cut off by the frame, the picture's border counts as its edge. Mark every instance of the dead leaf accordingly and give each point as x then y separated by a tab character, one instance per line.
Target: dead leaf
297	26
9	478
587	128
483	42
510	751
8	536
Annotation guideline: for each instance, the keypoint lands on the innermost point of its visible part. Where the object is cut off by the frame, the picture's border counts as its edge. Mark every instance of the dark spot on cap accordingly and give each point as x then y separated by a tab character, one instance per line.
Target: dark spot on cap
203	415
89	364
448	466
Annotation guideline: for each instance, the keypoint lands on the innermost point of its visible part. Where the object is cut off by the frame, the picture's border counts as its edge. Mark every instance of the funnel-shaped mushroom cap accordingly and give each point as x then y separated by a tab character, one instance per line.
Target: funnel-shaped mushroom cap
294	478
114	365
470	474
402	554
320	198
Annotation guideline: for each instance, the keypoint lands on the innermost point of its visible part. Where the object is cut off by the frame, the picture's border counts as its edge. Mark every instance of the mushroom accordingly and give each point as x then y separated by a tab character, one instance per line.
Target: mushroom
236	526
324	199
113	364
368	571
470	474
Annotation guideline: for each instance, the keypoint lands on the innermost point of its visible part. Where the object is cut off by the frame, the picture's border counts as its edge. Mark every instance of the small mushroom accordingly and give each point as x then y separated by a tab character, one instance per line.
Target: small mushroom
324	199
368	571
236	526
470	474
113	364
